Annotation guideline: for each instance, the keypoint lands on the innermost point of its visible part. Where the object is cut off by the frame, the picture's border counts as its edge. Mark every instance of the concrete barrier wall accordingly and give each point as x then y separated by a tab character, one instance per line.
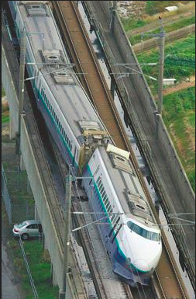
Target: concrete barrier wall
144	94
42	204
10	90
171	158
178	174
33	173
106	6
139	81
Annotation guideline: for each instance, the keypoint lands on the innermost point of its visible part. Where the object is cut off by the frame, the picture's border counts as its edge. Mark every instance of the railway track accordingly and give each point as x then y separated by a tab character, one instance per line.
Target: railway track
167	280
69	21
162	276
103	289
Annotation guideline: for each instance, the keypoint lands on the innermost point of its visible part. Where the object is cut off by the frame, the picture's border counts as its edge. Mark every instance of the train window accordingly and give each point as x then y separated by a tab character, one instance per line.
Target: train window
115	218
110	209
104	198
101	190
112	218
143	232
99	184
107	205
98	180
103	193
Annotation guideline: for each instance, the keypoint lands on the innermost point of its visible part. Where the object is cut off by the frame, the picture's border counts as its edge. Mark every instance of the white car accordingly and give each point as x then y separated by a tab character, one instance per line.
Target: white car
28	229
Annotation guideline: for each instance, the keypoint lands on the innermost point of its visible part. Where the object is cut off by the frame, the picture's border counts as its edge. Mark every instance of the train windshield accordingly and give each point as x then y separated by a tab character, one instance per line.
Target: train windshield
143	232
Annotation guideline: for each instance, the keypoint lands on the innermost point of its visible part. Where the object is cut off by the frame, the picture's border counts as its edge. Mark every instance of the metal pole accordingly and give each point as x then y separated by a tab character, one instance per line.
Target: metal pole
113	12
161	69
21	84
115	5
67	230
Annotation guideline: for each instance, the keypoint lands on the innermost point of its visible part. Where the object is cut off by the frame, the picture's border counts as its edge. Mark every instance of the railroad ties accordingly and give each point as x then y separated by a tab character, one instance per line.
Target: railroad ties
76	39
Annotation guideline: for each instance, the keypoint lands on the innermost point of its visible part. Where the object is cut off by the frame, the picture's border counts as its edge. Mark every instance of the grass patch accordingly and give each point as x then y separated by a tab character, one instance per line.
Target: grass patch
22	200
5	118
179	117
2	92
132	23
177	25
155	7
183	49
39	267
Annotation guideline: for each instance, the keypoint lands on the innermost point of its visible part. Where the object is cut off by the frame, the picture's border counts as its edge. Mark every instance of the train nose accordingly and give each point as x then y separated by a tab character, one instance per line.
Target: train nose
142	265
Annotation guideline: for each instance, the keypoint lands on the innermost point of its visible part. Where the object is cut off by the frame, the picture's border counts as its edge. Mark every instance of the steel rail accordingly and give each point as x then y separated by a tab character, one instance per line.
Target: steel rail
177	283
86	239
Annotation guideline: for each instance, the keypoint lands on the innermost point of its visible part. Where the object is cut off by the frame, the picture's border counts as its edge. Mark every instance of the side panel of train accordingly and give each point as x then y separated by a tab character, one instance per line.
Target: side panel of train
102	197
58	126
45	101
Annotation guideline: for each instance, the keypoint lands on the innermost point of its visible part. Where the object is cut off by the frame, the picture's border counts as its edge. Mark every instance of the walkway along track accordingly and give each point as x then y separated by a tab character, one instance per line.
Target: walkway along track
77	40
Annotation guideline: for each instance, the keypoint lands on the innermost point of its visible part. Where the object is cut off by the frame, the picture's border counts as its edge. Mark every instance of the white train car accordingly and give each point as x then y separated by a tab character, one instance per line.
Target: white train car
68	113
128	230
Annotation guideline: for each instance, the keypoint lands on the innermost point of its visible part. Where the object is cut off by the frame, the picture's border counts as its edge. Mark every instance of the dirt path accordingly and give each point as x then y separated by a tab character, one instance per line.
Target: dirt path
180	86
156	24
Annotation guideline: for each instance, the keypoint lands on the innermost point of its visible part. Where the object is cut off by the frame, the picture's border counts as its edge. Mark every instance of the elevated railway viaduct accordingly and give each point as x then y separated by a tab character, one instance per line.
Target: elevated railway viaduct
40	209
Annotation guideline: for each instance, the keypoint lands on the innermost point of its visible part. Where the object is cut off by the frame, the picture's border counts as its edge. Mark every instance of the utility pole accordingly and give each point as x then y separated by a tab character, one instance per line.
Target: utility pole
161	69
21	86
67	234
161	36
113	14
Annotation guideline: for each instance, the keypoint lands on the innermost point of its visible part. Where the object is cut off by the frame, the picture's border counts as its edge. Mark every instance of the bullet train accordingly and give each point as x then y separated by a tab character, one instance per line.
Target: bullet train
127	227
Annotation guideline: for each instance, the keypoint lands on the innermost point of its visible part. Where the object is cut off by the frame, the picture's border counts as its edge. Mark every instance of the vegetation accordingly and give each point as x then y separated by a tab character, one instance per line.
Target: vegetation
132	23
179	117
39	266
155	7
152	14
5	117
2	92
183	48
171	27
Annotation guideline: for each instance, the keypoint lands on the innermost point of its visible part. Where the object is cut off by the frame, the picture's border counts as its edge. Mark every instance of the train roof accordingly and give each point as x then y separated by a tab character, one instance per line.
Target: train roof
48	49
127	185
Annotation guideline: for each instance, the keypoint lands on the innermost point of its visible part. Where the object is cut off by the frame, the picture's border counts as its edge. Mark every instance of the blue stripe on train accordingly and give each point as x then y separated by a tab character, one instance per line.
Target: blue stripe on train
119	256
